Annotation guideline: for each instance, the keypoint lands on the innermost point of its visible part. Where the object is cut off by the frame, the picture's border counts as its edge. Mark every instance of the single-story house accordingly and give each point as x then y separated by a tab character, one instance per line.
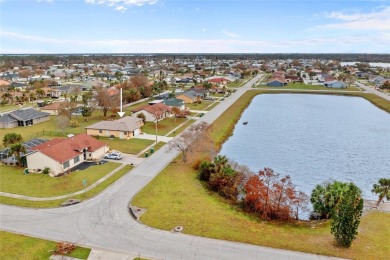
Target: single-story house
151	111
123	128
334	84
22	117
61	155
175	102
189	96
52	109
277	82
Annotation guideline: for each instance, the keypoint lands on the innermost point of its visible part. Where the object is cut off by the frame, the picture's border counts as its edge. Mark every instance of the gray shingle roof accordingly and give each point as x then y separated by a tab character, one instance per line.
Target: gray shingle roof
28	114
6	118
127	123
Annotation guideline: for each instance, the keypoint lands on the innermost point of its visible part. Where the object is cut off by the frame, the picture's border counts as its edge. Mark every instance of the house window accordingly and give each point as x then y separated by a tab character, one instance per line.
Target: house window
76	159
100	131
125	133
66	164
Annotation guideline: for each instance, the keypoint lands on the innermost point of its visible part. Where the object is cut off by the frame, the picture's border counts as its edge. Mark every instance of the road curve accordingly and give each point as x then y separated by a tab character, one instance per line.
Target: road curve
373	91
104	221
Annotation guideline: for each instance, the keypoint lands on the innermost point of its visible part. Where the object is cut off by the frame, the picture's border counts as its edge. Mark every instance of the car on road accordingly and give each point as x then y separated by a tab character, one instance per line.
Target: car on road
113	155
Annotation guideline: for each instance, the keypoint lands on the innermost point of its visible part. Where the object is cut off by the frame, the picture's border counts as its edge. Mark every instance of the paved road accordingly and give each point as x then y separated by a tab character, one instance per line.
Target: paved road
104	221
373	91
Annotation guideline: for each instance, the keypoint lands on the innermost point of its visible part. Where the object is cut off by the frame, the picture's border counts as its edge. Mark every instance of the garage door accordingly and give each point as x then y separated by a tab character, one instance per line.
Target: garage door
137	132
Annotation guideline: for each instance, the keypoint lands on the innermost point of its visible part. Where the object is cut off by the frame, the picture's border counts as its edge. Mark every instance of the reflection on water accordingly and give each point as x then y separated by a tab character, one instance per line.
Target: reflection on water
314	138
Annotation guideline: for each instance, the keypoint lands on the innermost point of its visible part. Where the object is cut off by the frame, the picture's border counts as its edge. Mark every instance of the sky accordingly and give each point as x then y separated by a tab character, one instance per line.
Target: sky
203	26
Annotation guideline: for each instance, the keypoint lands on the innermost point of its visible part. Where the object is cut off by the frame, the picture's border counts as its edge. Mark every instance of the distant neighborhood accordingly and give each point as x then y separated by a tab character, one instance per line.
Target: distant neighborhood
84	98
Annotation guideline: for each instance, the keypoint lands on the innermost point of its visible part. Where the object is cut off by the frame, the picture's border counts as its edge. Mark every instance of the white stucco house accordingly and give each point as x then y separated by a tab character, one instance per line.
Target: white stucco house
61	155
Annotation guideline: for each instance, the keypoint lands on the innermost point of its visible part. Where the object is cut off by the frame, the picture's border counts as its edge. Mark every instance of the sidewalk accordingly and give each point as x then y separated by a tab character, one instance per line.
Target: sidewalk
17	196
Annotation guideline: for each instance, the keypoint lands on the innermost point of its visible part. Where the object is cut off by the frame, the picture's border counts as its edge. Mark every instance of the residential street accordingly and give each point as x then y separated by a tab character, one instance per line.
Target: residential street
373	91
104	221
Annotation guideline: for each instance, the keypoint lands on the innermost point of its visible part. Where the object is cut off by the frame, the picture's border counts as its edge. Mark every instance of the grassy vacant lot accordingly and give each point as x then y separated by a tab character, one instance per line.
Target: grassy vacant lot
309	87
55	203
201	106
164	126
237	84
14	246
204	213
13	180
182	128
132	146
129	108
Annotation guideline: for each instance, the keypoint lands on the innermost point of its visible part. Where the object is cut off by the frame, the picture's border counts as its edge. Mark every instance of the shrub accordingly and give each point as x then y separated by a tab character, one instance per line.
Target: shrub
205	170
64	248
46	170
74	123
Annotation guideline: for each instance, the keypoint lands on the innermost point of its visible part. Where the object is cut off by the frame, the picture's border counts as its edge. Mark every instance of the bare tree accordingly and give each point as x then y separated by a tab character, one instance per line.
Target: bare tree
195	139
63	122
106	101
67	108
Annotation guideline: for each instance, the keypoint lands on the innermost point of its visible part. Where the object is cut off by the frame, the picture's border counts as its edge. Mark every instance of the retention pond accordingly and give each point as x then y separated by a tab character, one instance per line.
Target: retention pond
314	138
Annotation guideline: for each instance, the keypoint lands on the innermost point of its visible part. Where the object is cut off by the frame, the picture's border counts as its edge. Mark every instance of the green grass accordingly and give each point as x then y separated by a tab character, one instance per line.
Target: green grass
237	84
132	146
211	106
12	180
129	108
164	126
201	106
14	246
204	213
182	128
308	87
55	203
34	131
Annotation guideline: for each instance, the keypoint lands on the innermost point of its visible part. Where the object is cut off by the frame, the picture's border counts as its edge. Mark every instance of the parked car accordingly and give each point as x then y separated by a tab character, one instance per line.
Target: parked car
114	156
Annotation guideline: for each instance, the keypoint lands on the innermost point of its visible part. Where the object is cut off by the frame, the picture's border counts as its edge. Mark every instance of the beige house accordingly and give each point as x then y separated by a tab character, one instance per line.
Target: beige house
52	109
124	128
61	155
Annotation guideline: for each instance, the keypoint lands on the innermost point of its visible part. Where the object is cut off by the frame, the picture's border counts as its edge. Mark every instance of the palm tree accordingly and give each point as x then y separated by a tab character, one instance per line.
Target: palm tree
382	189
12	138
16	150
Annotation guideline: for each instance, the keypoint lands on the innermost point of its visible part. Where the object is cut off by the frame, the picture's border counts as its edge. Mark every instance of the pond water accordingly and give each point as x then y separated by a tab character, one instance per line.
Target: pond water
314	138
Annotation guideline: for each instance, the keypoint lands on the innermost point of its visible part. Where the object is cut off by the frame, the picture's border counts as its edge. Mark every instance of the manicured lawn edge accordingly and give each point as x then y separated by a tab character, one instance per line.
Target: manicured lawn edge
55	203
204	213
41	186
16	246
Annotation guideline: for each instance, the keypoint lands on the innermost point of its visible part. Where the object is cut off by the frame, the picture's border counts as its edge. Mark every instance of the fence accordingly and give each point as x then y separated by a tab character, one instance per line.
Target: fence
50	133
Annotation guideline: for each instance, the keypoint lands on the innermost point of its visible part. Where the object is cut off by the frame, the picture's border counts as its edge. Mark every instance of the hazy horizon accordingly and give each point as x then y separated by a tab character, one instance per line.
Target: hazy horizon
216	26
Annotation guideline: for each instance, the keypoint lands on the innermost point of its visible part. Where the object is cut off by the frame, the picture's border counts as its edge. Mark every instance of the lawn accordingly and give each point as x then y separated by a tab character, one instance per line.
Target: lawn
132	146
309	87
44	128
237	84
164	126
201	106
182	128
204	213
129	108
14	246
55	203
12	180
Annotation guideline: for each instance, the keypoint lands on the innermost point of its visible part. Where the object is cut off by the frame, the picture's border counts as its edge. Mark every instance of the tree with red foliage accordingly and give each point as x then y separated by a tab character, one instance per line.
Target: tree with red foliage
271	197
